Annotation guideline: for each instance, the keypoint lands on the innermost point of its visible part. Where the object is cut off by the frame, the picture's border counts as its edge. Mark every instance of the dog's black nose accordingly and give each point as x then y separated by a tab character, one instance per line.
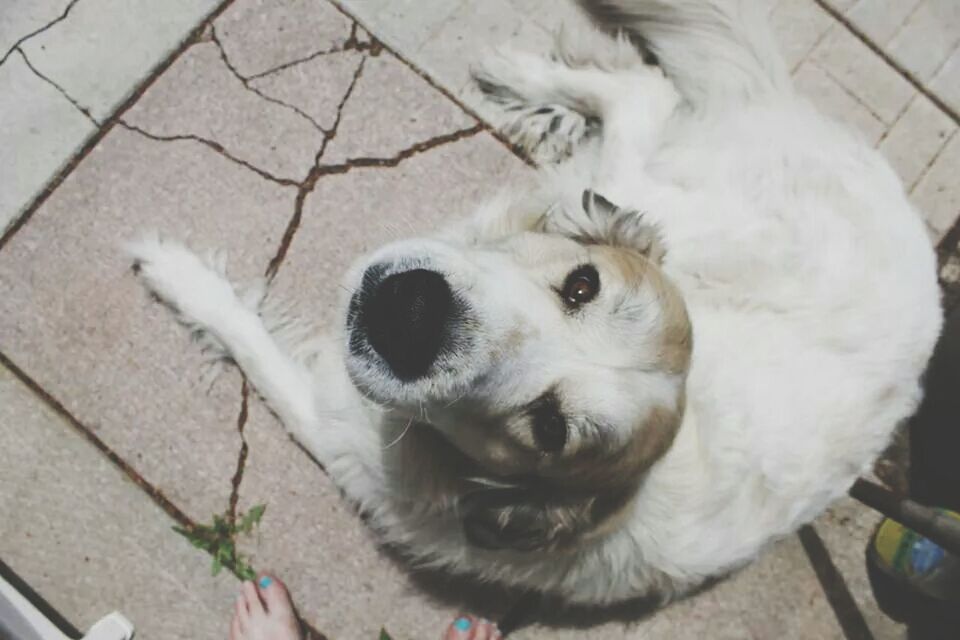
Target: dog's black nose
405	320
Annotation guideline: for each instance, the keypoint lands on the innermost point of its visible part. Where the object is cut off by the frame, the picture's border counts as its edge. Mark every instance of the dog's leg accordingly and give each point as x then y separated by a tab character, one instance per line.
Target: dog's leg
206	302
631	100
326	419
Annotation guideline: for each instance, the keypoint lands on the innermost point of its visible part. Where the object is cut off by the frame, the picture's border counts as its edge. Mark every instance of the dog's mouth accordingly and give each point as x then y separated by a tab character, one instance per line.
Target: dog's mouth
405	326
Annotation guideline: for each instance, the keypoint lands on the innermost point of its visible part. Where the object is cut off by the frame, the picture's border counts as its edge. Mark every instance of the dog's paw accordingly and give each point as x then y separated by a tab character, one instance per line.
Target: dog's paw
547	133
196	288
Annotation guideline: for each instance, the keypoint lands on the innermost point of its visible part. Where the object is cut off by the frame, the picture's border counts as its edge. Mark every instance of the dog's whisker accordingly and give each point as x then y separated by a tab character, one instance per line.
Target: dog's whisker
400	437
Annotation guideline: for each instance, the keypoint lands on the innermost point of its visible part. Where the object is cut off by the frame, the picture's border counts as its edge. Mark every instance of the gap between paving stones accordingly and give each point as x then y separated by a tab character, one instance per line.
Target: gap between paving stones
36	32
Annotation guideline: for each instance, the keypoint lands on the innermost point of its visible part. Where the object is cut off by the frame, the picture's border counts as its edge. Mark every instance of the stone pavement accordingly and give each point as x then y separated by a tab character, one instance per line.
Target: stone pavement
260	126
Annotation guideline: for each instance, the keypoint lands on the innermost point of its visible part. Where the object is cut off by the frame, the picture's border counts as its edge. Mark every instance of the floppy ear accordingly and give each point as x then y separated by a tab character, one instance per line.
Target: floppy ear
601	222
527	519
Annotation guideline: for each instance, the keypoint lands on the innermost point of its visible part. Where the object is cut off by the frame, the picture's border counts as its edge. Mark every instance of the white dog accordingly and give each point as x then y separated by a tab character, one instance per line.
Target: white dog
690	337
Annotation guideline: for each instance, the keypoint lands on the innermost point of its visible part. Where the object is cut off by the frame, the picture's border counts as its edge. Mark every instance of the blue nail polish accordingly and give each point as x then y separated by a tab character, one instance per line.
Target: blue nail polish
265	582
462	624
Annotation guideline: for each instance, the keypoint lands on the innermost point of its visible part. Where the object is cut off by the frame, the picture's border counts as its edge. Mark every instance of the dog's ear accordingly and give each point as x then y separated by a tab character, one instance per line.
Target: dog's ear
600	221
524	518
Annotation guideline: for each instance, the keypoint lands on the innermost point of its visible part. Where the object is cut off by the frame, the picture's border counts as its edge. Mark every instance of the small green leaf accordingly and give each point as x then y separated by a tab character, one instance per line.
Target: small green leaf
217	566
384	635
252	518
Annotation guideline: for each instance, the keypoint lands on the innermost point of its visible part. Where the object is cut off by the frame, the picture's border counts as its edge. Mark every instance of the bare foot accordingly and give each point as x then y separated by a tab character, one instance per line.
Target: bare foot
471	628
264	612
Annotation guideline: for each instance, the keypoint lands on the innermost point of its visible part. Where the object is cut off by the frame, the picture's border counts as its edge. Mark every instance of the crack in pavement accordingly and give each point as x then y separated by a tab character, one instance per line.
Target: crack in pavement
352	43
36	32
77	105
212	144
246	83
242	456
311	180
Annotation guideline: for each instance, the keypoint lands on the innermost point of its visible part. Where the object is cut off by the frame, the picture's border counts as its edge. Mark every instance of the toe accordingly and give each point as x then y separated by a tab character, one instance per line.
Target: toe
274	594
236	630
461	629
252	598
241	615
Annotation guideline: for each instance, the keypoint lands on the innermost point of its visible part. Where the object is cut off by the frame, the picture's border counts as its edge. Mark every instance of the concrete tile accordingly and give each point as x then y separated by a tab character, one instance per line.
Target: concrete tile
845	529
403	25
89	540
475	28
199	96
880	20
881	89
41	128
370	207
946	83
19	18
916	138
74	317
315	87
104	48
835	101
260	35
390	109
799	25
937	193
927	38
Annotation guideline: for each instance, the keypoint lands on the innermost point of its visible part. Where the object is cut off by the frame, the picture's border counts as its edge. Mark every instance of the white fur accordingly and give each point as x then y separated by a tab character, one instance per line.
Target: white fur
807	275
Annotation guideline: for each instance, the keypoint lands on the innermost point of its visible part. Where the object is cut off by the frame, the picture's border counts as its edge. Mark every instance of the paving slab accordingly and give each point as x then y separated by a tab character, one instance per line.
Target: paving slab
800	25
390	108
937	192
104	48
314	86
199	96
73	315
261	35
832	99
89	540
21	18
916	139
41	126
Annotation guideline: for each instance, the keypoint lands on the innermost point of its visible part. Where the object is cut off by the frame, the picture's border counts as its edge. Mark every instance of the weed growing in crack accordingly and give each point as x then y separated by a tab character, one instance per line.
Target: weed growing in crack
219	540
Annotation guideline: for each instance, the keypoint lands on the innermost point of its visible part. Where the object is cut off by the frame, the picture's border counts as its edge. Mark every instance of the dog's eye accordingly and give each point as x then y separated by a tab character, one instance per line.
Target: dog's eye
549	427
581	286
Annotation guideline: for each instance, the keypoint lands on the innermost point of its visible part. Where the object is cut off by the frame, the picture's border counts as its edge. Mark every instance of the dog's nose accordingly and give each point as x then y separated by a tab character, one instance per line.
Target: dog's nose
405	320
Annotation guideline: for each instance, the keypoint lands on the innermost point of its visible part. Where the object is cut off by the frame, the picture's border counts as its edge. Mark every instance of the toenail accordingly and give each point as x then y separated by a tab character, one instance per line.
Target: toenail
265	582
462	624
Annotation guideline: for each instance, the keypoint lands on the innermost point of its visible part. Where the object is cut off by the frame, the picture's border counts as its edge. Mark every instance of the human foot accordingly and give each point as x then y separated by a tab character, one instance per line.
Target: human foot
264	612
471	628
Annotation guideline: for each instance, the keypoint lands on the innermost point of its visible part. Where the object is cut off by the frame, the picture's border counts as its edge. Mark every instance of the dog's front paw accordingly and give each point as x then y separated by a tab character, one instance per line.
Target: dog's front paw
196	288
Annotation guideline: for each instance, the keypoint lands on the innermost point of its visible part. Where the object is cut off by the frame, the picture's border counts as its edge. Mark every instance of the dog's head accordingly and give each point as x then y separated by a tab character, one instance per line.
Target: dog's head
553	357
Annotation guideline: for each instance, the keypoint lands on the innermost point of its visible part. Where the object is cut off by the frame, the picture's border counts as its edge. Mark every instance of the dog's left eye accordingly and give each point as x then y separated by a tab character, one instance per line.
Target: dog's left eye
581	286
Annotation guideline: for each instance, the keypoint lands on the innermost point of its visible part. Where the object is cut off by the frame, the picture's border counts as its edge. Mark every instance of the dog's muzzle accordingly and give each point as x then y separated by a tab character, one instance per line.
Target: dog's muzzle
405	318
